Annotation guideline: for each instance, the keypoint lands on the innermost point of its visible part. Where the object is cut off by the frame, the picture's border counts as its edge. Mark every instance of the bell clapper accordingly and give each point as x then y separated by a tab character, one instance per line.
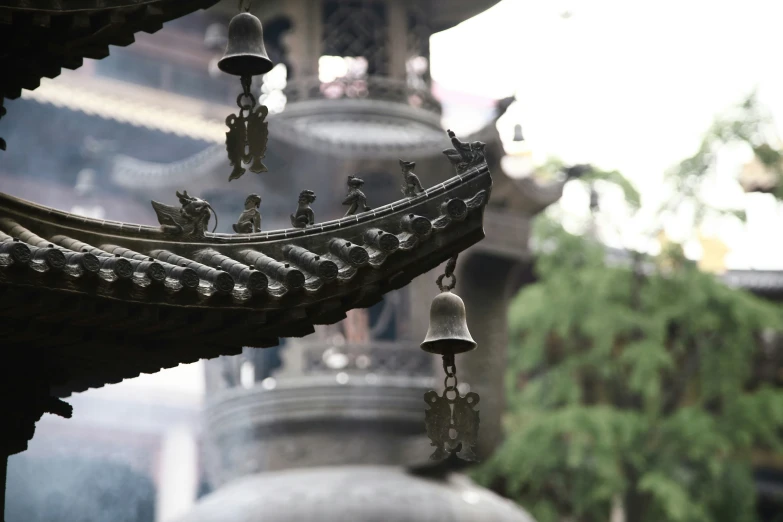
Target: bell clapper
452	422
246	57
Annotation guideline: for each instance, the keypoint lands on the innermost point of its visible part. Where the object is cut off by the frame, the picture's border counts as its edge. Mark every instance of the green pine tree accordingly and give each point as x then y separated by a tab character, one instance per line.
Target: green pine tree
632	385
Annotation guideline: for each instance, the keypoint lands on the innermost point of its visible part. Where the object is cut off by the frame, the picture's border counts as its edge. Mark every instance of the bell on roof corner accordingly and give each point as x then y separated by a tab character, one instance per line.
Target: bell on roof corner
452	422
246	56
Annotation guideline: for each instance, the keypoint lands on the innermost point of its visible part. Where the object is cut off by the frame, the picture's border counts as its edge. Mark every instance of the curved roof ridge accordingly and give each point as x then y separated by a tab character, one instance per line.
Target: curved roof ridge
129	172
136	231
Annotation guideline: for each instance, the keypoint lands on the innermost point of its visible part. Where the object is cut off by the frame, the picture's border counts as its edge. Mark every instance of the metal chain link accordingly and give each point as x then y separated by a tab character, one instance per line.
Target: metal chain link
451	373
451	265
246	94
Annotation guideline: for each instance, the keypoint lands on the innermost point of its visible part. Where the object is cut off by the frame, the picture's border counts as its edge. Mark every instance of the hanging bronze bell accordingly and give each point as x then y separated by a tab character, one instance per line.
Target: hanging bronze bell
245	52
448	332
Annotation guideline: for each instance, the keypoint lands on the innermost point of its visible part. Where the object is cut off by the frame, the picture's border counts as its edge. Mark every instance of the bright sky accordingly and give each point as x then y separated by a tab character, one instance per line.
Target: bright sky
627	85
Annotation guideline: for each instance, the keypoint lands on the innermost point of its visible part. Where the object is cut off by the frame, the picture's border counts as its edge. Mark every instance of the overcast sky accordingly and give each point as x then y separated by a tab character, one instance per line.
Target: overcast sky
627	85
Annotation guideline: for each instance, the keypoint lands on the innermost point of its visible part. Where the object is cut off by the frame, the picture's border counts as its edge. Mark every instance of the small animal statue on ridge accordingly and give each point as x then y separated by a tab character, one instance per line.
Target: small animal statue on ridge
189	221
246	141
304	215
355	198
250	218
464	155
412	185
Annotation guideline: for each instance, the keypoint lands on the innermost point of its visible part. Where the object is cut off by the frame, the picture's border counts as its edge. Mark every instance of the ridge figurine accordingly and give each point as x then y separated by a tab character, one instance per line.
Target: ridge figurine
464	155
189	221
412	186
304	215
355	198
250	218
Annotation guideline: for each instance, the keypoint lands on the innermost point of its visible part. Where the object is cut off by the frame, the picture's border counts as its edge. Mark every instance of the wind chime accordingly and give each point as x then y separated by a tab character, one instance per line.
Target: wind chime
451	420
246	57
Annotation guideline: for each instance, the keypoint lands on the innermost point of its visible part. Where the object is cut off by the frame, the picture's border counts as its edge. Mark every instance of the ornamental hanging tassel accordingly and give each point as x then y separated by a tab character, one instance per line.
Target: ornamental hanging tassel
452	423
246	57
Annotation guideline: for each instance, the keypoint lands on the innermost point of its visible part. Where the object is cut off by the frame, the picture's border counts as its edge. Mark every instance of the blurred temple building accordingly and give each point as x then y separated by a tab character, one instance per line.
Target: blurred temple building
351	94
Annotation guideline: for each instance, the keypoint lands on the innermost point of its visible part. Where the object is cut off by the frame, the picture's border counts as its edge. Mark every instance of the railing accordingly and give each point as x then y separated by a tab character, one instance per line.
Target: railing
377	357
371	88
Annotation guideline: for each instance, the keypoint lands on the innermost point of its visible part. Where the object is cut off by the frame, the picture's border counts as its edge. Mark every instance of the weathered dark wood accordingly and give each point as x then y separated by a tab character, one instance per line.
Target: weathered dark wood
3	475
40	38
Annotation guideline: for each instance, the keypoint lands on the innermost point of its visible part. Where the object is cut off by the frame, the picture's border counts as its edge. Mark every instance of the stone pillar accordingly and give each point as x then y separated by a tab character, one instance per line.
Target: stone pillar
397	36
482	282
304	41
177	475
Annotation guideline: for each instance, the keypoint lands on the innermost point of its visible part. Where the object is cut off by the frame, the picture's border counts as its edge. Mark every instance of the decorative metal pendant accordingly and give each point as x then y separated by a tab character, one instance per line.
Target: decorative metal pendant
248	131
452	422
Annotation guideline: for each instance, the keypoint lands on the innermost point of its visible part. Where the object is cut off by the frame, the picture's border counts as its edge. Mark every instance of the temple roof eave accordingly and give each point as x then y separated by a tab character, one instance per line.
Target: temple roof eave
111	300
448	14
78	27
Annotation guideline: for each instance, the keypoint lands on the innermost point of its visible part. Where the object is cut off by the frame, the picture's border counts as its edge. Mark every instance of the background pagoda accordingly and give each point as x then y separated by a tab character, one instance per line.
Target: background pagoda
102	161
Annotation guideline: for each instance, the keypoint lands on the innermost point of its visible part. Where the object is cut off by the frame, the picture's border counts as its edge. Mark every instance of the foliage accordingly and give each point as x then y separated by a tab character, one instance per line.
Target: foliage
746	123
592	174
631	382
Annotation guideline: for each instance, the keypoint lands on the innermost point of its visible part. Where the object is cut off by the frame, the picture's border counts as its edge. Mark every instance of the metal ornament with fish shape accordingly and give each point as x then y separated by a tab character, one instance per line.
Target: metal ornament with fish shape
248	131
452	422
247	135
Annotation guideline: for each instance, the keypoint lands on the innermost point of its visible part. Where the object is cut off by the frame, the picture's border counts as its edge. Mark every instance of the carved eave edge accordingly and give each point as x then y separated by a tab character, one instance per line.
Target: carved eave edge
84	284
411	222
85	28
67	34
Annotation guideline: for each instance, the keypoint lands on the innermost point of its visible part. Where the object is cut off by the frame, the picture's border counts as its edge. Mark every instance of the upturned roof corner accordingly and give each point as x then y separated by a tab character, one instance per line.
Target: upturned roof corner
82	285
